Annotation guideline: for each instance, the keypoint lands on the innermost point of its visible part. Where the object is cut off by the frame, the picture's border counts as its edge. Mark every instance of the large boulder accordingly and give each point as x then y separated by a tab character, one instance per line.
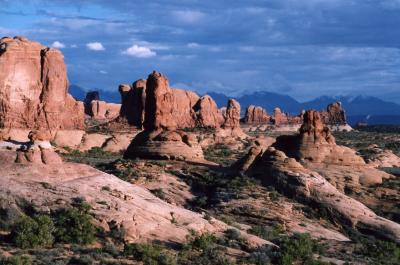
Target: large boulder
34	88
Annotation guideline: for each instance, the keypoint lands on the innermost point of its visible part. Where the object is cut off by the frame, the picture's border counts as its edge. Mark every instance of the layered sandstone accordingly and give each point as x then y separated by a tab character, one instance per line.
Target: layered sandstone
334	114
101	110
256	115
232	115
165	108
180	108
33	88
289	176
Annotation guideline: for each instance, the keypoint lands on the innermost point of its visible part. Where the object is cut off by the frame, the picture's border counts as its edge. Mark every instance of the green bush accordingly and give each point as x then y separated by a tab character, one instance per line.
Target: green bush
382	252
15	260
267	233
202	242
74	225
33	232
202	250
297	249
149	254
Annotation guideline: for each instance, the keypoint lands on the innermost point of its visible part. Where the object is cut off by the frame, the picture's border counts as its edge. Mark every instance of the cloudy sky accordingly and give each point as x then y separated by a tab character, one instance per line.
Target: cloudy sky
304	48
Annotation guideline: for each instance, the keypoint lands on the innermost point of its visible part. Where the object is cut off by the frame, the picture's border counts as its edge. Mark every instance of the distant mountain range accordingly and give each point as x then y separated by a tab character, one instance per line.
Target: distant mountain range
358	108
79	93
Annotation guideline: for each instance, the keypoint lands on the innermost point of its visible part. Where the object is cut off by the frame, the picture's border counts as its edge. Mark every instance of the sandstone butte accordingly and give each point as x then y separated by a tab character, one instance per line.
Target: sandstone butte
34	89
180	109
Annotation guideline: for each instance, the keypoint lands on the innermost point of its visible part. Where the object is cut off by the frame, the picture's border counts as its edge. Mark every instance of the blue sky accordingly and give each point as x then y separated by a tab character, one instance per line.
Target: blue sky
304	48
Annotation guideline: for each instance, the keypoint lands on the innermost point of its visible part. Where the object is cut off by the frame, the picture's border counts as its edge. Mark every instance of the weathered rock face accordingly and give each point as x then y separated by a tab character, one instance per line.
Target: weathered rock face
133	102
166	110
159	104
101	110
279	117
334	114
232	115
33	88
177	108
207	113
291	177
164	144
256	115
316	144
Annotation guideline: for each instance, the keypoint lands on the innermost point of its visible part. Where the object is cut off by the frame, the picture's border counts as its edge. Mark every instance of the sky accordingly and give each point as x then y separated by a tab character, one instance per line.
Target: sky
303	48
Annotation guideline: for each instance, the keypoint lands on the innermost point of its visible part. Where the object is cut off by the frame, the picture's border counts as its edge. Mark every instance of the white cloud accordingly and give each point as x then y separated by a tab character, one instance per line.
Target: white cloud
193	45
95	46
58	45
74	46
103	72
139	51
188	16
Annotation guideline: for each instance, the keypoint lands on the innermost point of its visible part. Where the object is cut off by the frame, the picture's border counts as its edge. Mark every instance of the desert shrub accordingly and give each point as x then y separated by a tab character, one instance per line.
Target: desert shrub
74	225
297	249
202	242
158	193
82	260
202	250
31	232
149	254
267	233
381	252
15	260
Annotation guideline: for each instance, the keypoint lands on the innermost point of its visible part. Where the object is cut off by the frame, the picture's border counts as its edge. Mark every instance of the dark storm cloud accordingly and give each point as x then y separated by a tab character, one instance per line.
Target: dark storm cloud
304	48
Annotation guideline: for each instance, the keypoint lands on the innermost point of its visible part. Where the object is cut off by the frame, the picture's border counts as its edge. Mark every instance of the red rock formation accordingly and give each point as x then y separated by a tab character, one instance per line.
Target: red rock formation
232	115
159	104
178	108
33	88
101	110
279	117
207	113
334	114
256	115
133	99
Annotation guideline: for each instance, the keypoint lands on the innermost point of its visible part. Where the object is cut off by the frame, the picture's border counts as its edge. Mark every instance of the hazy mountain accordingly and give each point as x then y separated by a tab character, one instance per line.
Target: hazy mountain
358	108
79	93
267	100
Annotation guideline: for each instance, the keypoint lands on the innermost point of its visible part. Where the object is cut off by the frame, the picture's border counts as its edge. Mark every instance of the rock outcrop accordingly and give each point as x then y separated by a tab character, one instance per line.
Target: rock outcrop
232	115
289	176
38	150
101	110
164	110
133	100
334	114
34	88
207	113
256	115
316	144
179	108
